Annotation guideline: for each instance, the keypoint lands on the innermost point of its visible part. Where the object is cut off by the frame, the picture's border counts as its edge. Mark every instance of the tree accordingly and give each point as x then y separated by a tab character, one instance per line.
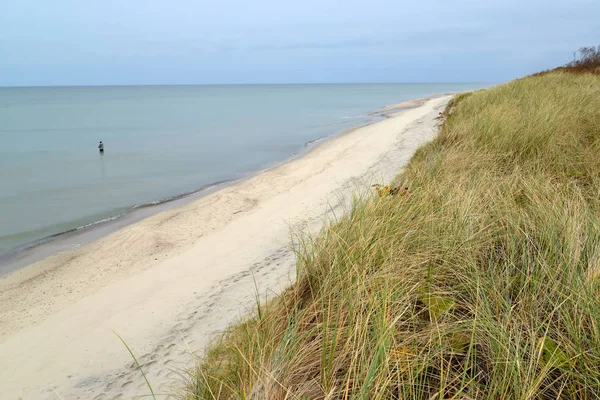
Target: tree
588	56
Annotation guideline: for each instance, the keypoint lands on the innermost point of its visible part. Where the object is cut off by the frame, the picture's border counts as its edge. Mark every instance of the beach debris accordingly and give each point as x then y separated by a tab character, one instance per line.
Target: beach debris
388	190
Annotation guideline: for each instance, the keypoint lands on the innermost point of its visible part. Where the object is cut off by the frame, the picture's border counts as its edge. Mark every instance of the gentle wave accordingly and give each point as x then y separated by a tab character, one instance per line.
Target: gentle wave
95	223
314	141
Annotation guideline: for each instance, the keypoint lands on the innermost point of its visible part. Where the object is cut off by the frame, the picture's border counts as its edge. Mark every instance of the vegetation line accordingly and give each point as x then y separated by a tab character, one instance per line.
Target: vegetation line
480	279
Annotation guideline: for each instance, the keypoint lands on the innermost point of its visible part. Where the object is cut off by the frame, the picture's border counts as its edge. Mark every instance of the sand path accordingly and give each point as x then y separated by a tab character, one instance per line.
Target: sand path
169	283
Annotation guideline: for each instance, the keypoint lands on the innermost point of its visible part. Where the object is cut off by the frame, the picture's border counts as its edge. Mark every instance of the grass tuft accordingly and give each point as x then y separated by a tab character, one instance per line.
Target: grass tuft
138	365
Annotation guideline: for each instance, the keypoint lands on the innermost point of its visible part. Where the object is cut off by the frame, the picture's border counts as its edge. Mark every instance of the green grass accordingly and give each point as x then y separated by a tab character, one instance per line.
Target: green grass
483	282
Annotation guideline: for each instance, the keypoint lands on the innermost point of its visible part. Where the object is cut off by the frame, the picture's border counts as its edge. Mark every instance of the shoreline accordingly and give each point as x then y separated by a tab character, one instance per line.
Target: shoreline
172	281
37	250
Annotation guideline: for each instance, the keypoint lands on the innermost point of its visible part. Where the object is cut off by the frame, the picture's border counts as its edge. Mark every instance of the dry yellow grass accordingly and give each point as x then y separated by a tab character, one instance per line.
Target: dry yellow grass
482	283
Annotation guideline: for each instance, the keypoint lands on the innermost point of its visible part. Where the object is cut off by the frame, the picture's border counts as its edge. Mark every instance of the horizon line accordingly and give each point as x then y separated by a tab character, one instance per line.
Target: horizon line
242	84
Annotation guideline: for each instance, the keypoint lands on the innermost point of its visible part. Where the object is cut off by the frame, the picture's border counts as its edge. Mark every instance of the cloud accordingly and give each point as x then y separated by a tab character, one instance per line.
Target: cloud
313	40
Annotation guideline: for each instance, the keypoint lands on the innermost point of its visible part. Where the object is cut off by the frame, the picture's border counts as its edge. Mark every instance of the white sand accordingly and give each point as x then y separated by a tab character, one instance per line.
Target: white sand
184	273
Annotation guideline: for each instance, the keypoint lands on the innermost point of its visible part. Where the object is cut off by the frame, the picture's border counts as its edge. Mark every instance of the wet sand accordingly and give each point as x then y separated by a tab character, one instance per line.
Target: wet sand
168	283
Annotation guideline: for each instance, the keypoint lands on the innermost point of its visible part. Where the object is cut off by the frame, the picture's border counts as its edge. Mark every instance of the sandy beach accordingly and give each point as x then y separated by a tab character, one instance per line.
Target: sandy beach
169	283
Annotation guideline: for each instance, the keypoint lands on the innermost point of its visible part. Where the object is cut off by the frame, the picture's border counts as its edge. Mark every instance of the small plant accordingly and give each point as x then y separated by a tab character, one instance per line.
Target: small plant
137	364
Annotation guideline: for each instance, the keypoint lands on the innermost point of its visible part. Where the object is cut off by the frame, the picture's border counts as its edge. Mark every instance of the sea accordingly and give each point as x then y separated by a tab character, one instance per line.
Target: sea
161	143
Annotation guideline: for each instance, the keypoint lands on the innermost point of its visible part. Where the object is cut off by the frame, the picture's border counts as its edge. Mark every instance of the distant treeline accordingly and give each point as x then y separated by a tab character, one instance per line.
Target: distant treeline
585	60
587	56
588	60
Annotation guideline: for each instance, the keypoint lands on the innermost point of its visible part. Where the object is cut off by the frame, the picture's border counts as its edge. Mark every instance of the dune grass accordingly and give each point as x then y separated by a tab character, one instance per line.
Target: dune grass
480	282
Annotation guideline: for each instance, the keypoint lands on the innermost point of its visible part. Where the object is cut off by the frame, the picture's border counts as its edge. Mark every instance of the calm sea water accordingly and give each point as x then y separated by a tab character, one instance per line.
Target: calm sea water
160	141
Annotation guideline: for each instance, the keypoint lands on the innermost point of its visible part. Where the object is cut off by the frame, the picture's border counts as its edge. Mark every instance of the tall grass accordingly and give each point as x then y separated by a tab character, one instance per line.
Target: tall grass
480	282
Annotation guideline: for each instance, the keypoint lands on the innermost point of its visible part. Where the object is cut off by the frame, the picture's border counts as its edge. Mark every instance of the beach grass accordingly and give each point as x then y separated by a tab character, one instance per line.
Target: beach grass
479	279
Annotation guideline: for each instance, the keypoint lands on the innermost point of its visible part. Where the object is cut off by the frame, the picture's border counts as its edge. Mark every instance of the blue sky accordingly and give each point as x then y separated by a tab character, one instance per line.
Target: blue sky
75	42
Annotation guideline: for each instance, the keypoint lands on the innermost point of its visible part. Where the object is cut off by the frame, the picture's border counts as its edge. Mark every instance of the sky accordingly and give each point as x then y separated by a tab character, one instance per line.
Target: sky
75	42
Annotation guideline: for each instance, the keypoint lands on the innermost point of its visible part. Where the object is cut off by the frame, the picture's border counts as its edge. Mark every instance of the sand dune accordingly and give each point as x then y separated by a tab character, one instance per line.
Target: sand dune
167	284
